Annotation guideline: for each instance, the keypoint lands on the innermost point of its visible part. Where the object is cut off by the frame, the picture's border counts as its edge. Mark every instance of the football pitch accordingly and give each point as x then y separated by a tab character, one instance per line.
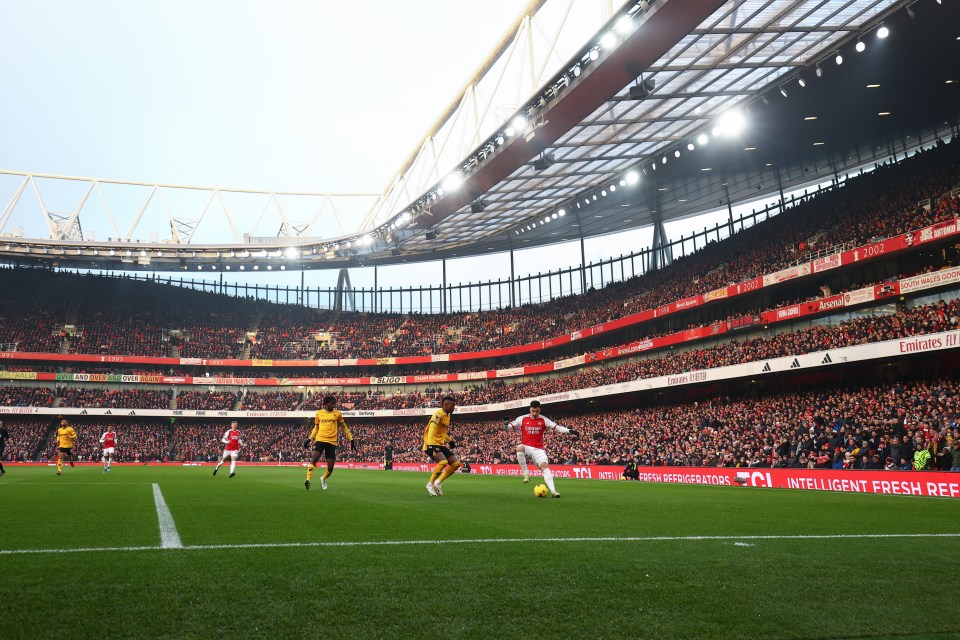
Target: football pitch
173	552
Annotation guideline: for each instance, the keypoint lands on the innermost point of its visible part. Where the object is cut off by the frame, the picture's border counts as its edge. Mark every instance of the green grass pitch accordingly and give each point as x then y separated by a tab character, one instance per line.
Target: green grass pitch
486	560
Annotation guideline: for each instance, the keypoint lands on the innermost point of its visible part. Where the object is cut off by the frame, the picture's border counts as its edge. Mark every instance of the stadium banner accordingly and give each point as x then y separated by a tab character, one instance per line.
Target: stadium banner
879	350
859	296
716	294
18	375
934	232
930	280
747	286
566	363
826	263
796	271
908	483
940	484
931	233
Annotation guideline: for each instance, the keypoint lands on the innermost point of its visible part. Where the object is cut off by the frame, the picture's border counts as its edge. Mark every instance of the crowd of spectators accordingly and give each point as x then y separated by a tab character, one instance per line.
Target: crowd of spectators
886	426
870	427
923	319
26	435
271	401
13	396
201	442
206	400
86	397
119	316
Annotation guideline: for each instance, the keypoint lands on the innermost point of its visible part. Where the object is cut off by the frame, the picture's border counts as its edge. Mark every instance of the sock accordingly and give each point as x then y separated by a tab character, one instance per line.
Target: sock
522	459
59	464
71	461
105	465
449	471
310	472
1	468
326	474
548	478
233	466
109	462
437	470
219	464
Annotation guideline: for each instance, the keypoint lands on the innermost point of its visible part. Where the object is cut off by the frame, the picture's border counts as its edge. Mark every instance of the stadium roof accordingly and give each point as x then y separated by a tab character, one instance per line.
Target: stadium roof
639	94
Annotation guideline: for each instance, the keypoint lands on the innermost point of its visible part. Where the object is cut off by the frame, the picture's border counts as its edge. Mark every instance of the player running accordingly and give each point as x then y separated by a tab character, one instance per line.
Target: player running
231	440
109	442
531	443
65	437
437	444
324	438
4	436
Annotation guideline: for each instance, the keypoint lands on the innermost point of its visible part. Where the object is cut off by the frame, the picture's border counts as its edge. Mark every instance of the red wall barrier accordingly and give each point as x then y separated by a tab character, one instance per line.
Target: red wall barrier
905	483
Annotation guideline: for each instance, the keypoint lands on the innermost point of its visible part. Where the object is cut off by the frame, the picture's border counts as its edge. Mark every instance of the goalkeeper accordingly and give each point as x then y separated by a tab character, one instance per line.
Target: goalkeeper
323	439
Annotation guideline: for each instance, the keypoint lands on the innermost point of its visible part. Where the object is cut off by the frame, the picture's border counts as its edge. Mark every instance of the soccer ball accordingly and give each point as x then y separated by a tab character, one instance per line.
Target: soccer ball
540	491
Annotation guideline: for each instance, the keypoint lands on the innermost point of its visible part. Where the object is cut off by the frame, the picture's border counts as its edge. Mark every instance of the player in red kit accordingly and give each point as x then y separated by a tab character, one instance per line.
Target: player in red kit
232	443
109	442
531	429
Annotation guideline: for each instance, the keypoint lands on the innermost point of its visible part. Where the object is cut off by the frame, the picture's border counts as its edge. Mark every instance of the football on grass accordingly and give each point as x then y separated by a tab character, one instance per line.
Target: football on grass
540	491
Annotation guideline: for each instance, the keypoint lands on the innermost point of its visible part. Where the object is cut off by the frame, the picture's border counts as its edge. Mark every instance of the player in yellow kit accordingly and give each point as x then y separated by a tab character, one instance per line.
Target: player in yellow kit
437	444
323	439
65	437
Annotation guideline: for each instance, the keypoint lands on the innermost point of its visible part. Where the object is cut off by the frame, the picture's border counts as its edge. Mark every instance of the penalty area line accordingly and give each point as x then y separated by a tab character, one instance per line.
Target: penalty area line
408	543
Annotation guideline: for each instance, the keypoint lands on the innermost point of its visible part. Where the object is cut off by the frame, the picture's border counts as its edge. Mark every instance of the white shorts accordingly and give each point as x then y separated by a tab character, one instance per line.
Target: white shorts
539	456
109	451
230	454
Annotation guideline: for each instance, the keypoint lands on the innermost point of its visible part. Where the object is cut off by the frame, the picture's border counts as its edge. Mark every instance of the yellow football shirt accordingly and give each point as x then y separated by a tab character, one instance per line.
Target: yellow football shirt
66	436
437	431
325	425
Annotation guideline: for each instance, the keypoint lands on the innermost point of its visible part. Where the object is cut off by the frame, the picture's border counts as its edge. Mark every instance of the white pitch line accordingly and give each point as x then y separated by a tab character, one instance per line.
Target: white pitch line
407	543
169	538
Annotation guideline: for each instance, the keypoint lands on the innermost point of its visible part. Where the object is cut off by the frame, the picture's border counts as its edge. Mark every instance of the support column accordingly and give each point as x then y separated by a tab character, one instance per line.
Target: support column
729	208
345	295
661	253
512	277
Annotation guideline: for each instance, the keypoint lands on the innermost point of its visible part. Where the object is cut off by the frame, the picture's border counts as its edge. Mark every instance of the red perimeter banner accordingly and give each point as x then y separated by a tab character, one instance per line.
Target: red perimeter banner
904	483
908	483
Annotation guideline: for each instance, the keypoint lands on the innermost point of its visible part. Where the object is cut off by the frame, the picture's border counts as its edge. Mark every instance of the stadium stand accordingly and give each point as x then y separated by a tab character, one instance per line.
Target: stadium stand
133	318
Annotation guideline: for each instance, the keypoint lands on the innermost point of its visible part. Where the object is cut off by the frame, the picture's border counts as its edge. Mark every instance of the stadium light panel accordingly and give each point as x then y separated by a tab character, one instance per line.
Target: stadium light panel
732	123
860	47
452	182
838	59
623	25
608	41
633	177
883	32
519	123
702	139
